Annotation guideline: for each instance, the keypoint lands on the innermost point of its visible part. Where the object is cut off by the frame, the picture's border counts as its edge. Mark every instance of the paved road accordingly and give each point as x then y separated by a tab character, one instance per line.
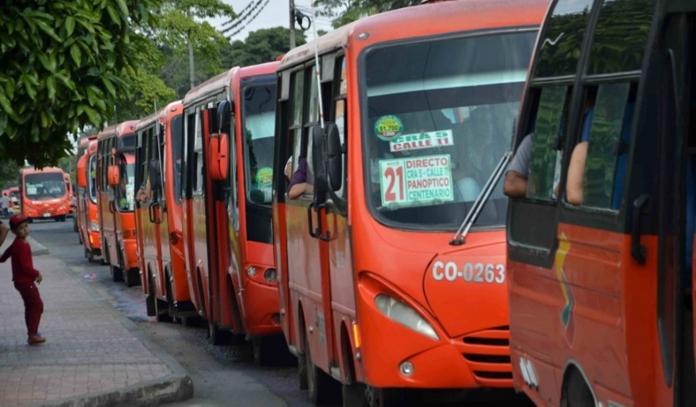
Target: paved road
221	375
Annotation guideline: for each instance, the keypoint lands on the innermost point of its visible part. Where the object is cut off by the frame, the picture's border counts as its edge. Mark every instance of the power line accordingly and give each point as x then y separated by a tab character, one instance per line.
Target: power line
241	13
252	18
244	18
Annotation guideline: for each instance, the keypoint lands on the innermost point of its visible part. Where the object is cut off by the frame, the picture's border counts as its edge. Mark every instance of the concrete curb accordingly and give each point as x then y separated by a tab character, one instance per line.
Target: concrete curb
172	388
37	249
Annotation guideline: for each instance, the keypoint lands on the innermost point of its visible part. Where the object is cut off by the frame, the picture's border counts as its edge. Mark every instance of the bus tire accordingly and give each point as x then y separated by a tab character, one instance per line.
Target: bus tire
575	392
353	395
132	277
379	397
116	273
215	335
150	298
321	388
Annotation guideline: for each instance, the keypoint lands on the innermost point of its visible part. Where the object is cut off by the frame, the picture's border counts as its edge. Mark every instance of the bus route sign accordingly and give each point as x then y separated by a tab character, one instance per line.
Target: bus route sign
416	181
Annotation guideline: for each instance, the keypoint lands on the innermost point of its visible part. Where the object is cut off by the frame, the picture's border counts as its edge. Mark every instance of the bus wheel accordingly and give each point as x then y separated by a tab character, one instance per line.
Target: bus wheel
321	388
377	397
353	395
575	391
215	335
271	350
132	277
150	299
116	273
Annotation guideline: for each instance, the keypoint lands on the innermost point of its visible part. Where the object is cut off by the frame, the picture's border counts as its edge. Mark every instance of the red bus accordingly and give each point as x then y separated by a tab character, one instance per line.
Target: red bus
87	213
115	188
159	214
45	193
379	289
229	128
600	242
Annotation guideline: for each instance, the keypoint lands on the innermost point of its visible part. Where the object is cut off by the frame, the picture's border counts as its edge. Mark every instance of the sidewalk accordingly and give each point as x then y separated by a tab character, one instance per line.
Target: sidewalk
93	356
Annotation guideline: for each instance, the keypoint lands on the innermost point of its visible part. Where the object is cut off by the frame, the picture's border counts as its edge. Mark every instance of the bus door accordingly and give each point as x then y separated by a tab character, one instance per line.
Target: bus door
158	210
334	229
148	201
308	254
221	295
108	206
582	245
198	212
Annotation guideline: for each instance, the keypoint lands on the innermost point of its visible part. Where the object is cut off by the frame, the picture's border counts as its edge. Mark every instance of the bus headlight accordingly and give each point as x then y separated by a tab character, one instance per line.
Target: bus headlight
93	226
399	312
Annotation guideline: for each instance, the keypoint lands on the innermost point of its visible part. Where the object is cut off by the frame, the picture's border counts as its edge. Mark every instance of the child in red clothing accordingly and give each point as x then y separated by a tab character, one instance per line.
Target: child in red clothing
24	276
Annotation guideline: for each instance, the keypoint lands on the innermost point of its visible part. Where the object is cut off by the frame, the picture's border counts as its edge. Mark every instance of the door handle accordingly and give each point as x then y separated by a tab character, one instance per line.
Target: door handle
112	206
315	232
638	250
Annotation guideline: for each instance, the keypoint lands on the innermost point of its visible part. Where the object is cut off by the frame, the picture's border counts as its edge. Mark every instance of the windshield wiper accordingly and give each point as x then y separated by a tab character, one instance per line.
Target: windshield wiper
481	200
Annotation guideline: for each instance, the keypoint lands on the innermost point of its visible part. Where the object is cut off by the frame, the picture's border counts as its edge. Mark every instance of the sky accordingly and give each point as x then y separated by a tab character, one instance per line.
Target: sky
274	14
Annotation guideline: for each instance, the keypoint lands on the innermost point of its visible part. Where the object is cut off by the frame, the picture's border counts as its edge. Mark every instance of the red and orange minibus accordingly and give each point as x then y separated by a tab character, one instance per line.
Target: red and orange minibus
115	188
45	193
159	214
229	127
600	247
87	213
389	220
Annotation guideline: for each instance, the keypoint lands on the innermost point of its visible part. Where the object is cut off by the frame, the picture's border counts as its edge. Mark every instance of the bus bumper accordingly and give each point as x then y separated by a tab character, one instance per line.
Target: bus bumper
262	309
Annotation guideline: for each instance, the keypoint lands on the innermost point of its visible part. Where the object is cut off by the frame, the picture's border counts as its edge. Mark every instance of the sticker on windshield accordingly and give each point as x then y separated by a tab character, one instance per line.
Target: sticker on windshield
387	127
264	176
419	141
416	181
31	190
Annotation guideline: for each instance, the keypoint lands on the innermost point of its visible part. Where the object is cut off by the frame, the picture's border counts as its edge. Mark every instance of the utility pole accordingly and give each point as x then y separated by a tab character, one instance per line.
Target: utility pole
292	24
191	67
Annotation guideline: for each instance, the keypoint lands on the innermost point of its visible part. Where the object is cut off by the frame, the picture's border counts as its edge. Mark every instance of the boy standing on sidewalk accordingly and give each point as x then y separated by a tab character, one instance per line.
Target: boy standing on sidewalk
25	277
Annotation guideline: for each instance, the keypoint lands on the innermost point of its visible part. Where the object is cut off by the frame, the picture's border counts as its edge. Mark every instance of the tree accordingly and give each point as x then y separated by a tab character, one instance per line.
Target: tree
346	11
62	67
260	46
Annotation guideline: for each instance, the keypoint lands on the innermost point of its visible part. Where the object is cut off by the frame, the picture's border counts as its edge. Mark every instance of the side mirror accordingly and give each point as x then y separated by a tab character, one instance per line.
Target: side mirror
318	163
155	175
219	160
81	179
224	116
335	157
113	175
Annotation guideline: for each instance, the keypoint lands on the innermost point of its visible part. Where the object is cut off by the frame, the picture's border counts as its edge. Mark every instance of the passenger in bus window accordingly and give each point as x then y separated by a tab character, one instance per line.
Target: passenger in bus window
298	185
576	168
518	170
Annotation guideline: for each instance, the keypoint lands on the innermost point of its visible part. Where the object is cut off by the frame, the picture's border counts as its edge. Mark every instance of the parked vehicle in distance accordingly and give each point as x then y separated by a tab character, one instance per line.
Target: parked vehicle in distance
419	104
45	193
600	248
87	214
159	215
115	189
229	126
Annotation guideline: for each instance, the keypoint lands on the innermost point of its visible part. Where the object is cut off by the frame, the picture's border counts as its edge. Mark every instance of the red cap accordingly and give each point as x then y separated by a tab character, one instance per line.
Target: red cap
16	220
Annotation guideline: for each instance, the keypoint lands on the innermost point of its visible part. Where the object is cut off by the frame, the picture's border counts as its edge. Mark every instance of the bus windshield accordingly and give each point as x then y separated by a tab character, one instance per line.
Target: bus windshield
435	128
43	186
126	188
259	128
92	182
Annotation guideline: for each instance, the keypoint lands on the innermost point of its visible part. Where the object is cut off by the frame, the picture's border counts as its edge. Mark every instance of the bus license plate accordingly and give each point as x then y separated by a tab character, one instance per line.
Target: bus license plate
47	215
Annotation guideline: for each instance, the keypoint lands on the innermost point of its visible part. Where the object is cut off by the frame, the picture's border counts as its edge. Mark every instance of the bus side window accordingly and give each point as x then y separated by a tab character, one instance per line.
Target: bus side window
547	132
603	148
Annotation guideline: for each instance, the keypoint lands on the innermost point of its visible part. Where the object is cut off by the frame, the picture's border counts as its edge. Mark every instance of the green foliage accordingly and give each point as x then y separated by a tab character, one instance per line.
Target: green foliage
61	68
260	46
9	170
346	11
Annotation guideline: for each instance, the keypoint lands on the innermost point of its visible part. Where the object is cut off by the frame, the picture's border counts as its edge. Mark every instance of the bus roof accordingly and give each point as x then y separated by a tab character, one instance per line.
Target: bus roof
222	82
32	170
117	130
147	121
424	20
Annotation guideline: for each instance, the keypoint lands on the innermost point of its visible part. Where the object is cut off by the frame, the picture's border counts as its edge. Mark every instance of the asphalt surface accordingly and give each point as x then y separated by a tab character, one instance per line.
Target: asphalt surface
222	375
